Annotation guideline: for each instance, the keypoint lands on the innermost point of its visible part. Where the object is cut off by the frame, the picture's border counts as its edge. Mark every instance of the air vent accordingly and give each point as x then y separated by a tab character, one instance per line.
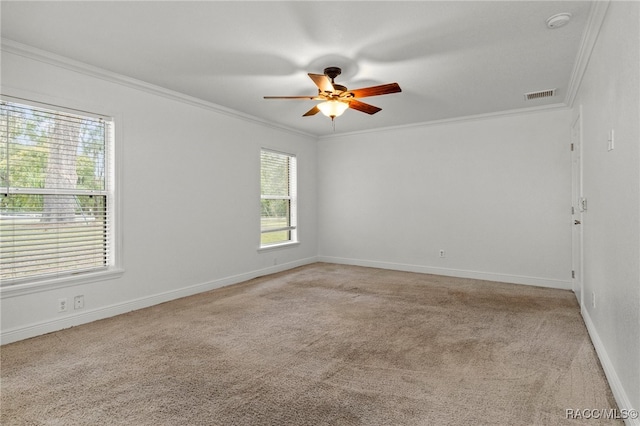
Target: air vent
540	94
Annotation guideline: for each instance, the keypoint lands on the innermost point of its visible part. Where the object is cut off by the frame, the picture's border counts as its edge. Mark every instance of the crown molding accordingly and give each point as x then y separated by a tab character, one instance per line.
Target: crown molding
467	118
36	54
589	37
596	18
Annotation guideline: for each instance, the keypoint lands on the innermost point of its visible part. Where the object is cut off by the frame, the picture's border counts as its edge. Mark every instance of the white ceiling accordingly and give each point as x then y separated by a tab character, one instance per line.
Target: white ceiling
451	58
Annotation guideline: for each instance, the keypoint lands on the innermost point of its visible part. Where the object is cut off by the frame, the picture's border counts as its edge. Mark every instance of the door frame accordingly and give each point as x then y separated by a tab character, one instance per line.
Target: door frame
578	206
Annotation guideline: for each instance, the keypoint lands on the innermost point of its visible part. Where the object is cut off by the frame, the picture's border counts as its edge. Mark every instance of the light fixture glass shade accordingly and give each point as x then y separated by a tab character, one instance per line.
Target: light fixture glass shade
333	108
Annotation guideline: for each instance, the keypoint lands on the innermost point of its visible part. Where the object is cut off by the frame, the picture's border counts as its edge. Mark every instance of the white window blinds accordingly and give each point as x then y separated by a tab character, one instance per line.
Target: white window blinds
56	195
278	198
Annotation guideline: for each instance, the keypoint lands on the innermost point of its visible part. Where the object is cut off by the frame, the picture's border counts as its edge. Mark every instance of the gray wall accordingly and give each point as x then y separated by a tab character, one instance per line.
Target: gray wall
493	193
609	97
190	196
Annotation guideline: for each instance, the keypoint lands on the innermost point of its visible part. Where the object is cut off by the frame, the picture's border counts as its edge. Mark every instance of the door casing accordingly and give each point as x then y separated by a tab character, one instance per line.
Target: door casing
578	206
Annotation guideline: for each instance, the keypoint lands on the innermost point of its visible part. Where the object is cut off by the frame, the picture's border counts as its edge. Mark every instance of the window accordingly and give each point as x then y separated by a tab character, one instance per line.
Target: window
56	193
278	198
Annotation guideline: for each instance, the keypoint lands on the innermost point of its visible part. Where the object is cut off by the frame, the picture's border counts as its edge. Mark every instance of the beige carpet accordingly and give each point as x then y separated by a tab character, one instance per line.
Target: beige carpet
319	345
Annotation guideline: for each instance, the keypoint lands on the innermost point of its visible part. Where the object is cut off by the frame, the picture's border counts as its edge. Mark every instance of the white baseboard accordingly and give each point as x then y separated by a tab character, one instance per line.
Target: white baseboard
84	317
37	329
460	273
612	377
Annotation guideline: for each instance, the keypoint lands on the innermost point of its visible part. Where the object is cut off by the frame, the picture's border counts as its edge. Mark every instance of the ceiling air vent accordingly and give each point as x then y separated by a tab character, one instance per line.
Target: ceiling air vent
541	94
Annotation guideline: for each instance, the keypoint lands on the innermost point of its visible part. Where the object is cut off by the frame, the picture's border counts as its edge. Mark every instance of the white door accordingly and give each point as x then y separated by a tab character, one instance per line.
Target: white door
578	206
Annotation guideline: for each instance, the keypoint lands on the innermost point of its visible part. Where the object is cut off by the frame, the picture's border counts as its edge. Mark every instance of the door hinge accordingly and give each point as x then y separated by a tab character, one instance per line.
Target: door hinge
571	147
573	274
573	210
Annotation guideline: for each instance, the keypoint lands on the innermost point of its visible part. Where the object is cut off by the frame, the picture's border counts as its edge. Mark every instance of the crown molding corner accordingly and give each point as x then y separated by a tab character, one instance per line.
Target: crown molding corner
590	36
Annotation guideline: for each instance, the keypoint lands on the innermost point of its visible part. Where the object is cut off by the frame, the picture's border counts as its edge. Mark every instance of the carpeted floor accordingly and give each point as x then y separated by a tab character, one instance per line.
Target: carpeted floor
322	344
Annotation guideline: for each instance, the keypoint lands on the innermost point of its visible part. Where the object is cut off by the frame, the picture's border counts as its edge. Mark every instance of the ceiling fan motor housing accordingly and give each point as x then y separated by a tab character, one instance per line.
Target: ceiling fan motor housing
339	88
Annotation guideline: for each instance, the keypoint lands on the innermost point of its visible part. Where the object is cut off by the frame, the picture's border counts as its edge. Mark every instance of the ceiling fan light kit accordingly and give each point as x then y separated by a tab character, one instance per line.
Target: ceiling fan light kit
337	98
333	109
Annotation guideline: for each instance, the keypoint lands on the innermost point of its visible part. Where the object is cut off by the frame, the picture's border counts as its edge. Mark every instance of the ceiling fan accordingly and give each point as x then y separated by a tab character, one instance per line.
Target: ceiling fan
337	98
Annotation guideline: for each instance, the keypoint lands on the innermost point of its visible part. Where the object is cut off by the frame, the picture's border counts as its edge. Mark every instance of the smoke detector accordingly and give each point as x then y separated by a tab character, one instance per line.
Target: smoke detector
558	20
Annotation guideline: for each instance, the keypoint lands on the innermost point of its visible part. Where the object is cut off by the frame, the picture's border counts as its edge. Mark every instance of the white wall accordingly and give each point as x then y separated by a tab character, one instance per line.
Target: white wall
190	197
494	193
609	95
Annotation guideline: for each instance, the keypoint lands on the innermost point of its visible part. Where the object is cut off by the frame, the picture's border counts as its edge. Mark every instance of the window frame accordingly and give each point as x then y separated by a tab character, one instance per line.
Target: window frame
293	203
114	267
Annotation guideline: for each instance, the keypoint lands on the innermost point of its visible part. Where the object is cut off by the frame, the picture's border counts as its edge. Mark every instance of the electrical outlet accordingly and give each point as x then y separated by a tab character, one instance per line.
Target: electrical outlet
78	302
62	305
442	253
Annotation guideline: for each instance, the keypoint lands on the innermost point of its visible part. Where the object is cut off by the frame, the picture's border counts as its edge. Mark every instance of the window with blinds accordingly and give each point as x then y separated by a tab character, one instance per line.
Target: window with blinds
278	198
56	193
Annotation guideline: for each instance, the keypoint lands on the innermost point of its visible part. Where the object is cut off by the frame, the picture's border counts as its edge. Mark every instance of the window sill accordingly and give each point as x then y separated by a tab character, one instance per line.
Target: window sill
278	246
20	289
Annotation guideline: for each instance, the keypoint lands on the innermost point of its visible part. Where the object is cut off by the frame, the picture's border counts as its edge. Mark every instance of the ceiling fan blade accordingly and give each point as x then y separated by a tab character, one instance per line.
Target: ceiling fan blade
312	111
383	89
292	97
323	82
361	106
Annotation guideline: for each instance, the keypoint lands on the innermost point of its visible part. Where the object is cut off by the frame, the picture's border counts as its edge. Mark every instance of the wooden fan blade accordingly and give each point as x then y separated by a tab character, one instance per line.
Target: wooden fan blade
292	97
312	111
323	82
361	106
383	89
